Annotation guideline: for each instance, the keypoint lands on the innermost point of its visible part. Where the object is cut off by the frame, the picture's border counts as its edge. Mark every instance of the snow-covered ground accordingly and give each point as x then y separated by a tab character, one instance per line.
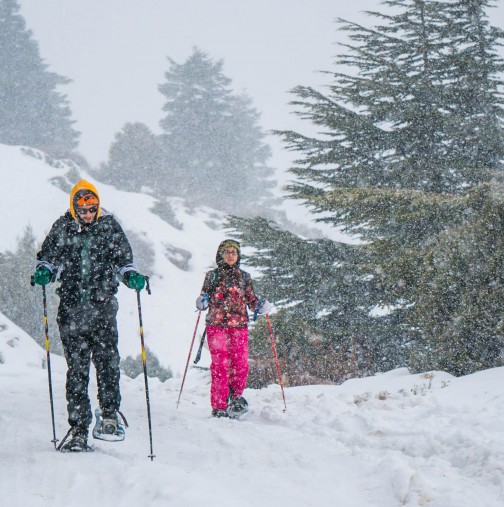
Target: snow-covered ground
391	440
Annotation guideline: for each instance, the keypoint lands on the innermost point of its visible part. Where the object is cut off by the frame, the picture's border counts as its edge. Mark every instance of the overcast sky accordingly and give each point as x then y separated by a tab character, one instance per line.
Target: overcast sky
115	52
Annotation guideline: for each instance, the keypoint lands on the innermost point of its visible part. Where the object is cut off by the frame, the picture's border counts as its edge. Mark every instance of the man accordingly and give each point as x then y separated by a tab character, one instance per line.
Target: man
88	252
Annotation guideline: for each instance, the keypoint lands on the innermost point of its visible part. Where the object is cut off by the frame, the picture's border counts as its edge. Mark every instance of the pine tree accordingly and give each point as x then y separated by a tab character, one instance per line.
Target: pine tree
33	113
408	138
20	302
215	154
424	87
459	309
474	91
135	159
326	328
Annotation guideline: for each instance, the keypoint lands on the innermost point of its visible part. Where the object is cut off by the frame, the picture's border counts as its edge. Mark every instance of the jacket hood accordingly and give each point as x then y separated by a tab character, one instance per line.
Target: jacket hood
219	258
80	189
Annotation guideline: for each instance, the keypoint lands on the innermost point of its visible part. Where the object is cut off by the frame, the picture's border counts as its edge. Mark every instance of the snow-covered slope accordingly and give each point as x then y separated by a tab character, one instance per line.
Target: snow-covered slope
391	440
36	194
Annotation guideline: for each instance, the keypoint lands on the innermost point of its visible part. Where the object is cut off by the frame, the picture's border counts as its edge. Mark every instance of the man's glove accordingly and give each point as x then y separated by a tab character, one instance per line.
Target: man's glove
202	302
264	307
134	280
42	275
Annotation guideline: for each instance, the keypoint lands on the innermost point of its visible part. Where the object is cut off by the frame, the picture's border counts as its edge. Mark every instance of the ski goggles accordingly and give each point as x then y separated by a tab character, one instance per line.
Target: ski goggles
88	198
83	211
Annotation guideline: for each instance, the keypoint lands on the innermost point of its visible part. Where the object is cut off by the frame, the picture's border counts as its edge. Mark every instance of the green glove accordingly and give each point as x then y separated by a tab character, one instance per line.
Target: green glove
135	280
42	275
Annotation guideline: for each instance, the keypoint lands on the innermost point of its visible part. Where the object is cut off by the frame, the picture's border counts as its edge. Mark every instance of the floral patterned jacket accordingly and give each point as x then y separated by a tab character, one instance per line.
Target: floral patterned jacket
230	292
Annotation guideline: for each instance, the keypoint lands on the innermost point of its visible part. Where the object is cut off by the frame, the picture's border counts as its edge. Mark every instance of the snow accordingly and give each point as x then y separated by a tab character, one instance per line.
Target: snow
394	439
390	440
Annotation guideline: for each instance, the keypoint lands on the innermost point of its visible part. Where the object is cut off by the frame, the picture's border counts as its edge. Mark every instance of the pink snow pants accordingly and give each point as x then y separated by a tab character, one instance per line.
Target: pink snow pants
229	351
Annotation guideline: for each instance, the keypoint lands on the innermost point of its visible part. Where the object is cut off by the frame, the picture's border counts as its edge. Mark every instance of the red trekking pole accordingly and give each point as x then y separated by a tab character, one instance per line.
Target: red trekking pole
276	360
188	357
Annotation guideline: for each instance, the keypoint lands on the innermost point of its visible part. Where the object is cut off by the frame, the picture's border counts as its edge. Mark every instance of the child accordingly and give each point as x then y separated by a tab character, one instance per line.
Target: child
227	292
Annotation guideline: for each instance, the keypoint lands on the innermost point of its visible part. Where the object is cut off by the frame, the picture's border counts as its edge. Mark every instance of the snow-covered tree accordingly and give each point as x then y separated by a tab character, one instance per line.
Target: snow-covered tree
32	110
135	159
459	307
326	329
407	135
214	148
22	303
422	109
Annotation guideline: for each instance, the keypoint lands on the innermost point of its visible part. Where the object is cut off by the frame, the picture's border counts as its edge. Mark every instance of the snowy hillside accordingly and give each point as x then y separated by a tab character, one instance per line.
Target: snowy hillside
391	440
37	194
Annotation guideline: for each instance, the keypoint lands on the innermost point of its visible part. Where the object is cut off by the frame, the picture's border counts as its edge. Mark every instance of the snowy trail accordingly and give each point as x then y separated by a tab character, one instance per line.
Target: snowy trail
390	440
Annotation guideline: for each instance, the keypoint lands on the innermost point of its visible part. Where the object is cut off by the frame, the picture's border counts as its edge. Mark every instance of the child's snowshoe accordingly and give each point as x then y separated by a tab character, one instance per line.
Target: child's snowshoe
237	407
219	412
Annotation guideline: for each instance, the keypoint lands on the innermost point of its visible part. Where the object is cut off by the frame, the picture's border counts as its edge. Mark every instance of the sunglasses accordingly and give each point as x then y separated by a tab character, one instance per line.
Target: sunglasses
230	252
83	211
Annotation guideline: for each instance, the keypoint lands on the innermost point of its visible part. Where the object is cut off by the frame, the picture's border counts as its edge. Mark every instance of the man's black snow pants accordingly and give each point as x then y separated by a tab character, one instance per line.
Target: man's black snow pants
89	333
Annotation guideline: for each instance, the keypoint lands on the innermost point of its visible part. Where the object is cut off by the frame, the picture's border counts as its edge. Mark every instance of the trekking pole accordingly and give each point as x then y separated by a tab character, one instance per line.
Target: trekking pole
48	355
200	349
144	362
276	359
188	357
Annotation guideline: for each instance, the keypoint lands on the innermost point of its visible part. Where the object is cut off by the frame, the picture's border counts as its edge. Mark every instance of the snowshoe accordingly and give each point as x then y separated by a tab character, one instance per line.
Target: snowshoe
75	441
237	407
219	412
109	428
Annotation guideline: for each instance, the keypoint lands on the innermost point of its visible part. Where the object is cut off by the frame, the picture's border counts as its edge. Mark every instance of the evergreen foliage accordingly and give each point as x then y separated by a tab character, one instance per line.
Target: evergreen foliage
20	302
461	290
135	159
326	327
213	146
33	113
134	367
423	110
410	141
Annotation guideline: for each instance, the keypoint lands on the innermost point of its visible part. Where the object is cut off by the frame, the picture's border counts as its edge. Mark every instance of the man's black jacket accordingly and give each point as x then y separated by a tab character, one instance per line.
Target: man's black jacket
89	259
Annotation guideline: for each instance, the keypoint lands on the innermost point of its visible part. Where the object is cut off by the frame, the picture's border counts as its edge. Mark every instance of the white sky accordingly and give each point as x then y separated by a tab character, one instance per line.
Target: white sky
391	440
115	52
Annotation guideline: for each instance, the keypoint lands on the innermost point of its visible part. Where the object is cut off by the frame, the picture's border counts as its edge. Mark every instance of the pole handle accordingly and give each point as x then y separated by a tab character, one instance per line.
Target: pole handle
256	312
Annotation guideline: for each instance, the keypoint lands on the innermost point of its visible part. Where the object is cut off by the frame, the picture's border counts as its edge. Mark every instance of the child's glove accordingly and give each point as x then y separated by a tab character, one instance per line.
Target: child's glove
202	302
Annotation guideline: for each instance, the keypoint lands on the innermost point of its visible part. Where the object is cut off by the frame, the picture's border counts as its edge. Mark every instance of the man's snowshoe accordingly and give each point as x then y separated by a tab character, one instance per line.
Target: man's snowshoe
110	428
237	407
75	441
